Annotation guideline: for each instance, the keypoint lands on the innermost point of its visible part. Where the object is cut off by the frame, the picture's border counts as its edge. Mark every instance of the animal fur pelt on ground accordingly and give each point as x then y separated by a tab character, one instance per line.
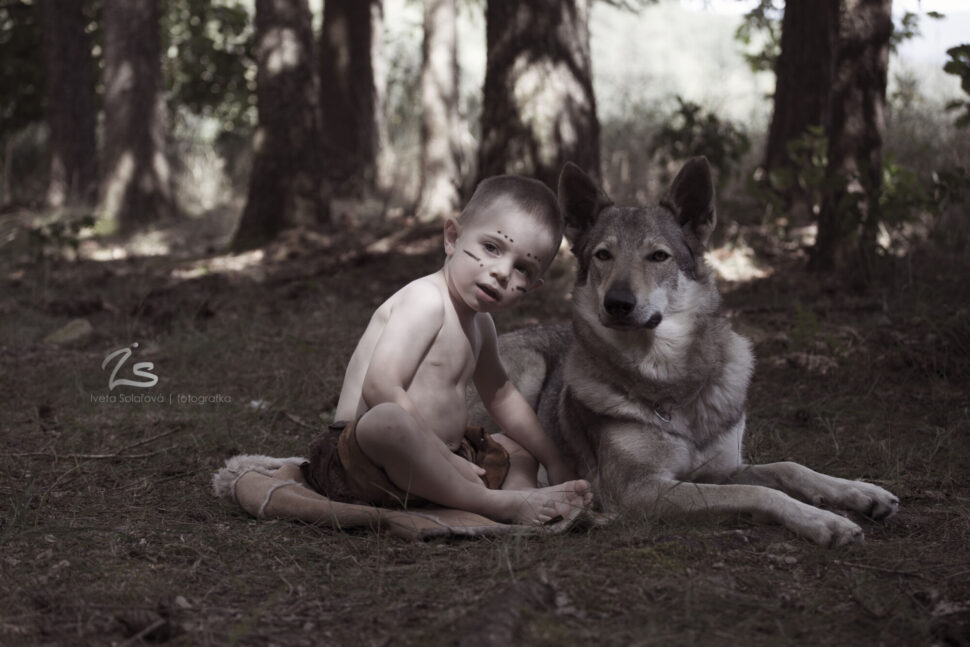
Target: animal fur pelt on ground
274	488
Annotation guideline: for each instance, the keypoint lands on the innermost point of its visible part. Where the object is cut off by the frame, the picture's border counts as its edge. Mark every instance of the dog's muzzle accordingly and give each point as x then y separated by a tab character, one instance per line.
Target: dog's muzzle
621	311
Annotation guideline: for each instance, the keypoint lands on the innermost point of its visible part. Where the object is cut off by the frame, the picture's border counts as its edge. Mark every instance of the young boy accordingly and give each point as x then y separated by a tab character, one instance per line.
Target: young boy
406	441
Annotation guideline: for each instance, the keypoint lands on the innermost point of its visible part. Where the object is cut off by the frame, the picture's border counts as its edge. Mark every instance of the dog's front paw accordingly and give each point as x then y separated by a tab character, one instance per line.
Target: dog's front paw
871	500
823	527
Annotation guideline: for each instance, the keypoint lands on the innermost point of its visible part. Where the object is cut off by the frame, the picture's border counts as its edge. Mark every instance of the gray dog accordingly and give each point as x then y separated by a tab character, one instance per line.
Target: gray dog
646	390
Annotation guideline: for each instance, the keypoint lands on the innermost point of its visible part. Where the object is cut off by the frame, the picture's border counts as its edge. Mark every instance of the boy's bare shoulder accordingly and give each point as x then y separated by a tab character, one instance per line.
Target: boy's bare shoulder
422	294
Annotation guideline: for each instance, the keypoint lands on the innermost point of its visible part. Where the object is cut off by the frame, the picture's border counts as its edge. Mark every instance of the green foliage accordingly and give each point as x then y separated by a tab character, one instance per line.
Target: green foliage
959	65
762	24
52	239
908	28
806	330
691	131
22	73
209	64
804	174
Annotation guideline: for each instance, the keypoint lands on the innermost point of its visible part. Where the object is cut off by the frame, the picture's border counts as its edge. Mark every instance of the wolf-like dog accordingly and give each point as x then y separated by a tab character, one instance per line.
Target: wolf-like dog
645	392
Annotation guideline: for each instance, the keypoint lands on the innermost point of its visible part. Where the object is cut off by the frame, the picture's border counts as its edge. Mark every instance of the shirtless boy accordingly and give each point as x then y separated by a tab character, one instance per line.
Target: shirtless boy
404	391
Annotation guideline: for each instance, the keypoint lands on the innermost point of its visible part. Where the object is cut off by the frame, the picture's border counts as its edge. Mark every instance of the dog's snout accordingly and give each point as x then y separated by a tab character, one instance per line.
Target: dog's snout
619	302
654	320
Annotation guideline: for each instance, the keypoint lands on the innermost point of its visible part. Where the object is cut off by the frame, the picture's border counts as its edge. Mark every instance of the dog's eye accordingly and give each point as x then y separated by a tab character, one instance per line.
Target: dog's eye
659	256
603	255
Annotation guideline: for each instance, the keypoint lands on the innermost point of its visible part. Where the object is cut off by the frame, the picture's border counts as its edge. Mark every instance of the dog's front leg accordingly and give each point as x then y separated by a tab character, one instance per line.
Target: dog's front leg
669	498
815	488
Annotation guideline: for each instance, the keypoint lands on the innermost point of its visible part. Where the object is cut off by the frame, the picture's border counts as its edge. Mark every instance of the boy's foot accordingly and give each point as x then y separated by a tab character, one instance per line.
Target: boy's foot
540	506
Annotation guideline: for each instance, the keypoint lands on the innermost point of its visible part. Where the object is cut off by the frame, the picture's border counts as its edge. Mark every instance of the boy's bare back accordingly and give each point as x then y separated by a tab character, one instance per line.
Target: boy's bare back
417	321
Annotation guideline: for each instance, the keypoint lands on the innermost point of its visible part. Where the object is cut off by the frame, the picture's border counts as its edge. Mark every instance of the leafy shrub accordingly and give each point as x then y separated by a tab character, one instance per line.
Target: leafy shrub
692	131
959	64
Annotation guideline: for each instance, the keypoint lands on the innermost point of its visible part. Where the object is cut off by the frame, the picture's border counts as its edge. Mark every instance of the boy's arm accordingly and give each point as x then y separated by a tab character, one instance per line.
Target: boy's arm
511	411
409	332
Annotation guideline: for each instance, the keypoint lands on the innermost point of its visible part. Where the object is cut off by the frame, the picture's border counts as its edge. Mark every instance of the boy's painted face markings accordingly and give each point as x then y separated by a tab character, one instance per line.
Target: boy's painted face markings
505	263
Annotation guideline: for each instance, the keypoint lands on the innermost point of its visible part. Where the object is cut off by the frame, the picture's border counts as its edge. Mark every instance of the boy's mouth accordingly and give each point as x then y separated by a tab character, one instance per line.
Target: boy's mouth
490	293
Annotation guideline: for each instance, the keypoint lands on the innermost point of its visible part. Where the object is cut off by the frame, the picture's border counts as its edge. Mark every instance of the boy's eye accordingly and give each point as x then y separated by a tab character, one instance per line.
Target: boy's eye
523	270
659	256
603	255
491	248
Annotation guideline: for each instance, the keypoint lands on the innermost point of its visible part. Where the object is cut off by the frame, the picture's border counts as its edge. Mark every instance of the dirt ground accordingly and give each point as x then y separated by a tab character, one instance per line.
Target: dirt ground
109	533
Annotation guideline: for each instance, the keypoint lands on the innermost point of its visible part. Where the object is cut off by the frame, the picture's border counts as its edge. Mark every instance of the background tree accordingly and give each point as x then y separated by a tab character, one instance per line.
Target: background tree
850	210
440	178
21	83
538	107
351	87
286	185
804	70
70	104
803	74
136	187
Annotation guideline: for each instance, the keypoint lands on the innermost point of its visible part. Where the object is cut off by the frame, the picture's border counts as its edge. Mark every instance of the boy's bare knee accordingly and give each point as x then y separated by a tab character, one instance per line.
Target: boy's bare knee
386	424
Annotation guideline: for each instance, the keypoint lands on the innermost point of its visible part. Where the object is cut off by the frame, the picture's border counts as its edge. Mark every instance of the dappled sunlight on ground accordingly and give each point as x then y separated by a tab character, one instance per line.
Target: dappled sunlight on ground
736	262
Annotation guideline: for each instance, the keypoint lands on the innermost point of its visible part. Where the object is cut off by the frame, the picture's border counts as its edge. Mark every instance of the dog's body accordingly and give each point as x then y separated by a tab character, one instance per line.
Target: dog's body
646	390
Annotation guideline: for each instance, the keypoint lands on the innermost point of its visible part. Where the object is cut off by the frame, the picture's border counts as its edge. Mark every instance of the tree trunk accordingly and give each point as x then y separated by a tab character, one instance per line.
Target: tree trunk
286	186
803	74
351	94
70	105
136	186
440	181
538	109
850	211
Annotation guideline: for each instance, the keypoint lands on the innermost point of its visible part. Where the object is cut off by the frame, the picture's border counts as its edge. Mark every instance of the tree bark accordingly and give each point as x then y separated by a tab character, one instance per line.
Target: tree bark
803	74
70	105
440	181
850	211
538	109
351	94
136	187
286	185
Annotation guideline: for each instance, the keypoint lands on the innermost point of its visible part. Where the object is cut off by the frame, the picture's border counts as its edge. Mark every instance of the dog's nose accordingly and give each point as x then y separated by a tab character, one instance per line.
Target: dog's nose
619	303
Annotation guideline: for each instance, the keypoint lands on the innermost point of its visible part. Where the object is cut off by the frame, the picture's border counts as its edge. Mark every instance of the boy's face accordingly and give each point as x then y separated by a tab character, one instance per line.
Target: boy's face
496	258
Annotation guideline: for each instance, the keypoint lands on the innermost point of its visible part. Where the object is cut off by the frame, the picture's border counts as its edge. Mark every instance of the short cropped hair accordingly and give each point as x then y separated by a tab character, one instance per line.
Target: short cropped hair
532	197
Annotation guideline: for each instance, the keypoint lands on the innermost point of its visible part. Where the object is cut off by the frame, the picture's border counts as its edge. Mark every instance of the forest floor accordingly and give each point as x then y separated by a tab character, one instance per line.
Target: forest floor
109	532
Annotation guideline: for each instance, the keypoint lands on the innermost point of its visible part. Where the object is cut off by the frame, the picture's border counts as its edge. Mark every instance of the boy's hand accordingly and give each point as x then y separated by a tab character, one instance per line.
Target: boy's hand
560	472
467	469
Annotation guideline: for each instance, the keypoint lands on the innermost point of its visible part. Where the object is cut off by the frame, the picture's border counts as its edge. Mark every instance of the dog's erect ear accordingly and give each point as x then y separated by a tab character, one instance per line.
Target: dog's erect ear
580	200
691	198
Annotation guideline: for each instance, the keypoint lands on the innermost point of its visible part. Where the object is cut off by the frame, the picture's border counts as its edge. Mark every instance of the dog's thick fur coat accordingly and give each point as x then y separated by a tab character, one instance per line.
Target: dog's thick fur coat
646	391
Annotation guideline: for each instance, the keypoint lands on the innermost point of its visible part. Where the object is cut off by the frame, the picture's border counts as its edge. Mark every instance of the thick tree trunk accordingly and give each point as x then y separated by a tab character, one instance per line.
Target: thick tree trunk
440	181
351	94
70	105
136	187
850	211
286	186
803	74
538	110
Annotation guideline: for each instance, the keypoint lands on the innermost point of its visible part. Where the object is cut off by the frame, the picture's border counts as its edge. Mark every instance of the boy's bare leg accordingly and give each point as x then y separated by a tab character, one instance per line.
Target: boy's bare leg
414	461
523	467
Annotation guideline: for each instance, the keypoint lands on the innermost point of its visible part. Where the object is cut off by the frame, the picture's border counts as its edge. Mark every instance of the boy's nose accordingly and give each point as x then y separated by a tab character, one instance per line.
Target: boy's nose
500	272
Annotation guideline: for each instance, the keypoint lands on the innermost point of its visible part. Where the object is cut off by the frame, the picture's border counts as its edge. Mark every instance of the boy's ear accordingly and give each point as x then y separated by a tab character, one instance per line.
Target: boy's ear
452	231
580	201
691	199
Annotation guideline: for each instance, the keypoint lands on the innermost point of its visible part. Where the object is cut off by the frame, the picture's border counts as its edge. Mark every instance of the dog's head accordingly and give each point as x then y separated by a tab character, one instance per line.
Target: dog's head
634	258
